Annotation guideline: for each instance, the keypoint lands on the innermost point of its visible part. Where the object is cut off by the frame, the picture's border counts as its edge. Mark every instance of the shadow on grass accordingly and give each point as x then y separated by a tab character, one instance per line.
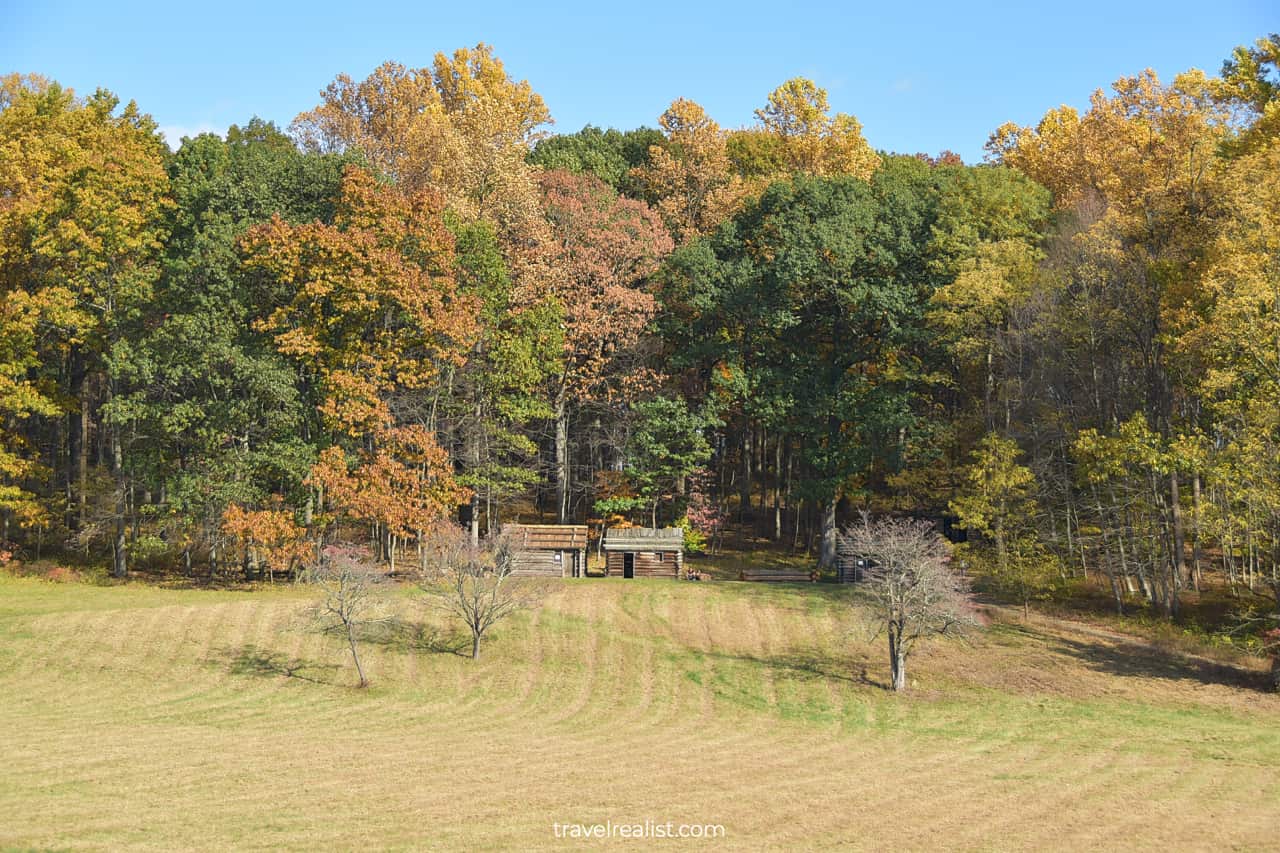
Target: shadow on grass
256	661
803	666
1136	659
403	635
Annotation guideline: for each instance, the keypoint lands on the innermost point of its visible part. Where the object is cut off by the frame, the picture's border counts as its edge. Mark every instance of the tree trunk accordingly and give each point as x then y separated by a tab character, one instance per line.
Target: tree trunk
1197	548
562	454
82	454
355	655
1105	562
897	662
119	562
474	454
777	489
827	556
475	645
474	526
988	390
1179	562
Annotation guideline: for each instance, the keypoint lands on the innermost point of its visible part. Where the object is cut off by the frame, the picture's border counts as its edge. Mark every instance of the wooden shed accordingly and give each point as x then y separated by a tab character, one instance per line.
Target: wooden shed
549	550
644	552
851	567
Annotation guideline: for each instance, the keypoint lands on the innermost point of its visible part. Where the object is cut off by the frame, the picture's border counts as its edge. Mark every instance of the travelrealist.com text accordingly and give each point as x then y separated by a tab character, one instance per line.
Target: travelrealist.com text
646	829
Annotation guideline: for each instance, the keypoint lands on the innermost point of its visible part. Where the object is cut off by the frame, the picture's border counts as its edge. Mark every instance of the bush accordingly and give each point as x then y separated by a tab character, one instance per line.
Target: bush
695	542
43	570
63	574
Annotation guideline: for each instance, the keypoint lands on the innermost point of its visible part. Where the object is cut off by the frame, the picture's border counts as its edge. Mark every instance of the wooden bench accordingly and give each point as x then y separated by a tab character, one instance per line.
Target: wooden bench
777	576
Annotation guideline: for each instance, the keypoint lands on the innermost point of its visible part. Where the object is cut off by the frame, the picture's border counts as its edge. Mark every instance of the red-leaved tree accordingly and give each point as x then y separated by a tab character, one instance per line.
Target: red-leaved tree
605	246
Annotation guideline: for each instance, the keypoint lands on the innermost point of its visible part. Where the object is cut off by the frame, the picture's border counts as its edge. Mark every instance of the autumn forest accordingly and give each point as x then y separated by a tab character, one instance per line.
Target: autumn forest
415	306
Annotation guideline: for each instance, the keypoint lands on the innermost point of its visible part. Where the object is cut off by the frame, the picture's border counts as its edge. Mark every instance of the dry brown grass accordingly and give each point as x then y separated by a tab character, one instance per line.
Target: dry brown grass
157	719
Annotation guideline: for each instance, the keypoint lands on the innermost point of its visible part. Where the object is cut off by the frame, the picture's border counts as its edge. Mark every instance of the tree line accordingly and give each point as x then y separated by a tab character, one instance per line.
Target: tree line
415	304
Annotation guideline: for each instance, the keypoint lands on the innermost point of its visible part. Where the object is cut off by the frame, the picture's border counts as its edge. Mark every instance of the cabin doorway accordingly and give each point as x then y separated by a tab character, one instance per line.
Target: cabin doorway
628	565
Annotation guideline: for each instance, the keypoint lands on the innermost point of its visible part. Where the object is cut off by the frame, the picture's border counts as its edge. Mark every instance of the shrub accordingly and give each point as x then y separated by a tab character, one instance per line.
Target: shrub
63	574
695	542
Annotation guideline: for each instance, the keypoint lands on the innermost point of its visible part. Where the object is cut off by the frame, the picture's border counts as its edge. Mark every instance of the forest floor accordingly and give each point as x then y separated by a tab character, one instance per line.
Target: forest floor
134	716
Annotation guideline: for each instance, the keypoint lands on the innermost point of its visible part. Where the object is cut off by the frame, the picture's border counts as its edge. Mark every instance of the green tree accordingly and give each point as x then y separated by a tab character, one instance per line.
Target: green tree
810	304
610	154
81	231
667	444
496	397
226	417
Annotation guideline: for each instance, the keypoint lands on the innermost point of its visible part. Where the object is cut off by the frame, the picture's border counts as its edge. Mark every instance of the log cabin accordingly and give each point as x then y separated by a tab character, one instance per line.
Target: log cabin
644	552
549	550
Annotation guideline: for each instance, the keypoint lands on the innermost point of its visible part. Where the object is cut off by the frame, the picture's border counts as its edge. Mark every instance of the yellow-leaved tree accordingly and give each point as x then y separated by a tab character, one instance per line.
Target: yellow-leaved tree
691	181
997	500
814	142
462	127
81	230
1134	181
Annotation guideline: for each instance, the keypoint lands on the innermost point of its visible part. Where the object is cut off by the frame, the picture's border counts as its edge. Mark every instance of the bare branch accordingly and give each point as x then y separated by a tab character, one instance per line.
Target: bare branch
909	578
352	597
477	584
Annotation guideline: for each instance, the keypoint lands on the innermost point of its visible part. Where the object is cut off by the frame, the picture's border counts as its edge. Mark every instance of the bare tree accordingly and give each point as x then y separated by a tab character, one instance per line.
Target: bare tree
351	596
908	576
477	583
1267	623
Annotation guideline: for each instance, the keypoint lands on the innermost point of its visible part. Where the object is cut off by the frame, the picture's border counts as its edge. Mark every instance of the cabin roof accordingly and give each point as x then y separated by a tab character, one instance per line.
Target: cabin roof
547	537
644	539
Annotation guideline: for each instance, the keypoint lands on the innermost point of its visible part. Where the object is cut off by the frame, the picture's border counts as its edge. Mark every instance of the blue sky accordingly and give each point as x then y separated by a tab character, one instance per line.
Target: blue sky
921	76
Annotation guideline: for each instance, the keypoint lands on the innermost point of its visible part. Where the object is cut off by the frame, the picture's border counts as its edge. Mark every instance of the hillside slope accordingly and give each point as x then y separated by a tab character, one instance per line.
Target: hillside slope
147	718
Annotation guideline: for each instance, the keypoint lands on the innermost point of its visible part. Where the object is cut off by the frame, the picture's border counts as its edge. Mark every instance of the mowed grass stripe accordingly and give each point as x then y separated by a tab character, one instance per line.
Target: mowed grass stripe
616	702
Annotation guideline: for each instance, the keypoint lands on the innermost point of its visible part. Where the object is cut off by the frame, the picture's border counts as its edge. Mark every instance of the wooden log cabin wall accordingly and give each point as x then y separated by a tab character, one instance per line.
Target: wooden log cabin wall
644	552
549	550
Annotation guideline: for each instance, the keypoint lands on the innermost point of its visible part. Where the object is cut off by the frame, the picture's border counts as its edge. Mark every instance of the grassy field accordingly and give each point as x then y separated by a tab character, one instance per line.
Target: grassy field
139	717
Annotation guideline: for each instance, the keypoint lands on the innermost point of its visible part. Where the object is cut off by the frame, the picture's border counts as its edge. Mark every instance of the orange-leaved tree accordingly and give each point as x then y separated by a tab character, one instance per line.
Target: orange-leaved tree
373	317
691	180
462	127
271	540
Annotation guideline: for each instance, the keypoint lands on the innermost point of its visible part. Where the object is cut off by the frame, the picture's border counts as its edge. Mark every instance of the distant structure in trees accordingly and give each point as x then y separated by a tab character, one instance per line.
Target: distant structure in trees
850	567
644	552
549	550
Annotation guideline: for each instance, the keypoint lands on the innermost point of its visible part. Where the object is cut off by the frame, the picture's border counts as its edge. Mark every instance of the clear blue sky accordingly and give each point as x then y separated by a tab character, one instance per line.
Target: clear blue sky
921	76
